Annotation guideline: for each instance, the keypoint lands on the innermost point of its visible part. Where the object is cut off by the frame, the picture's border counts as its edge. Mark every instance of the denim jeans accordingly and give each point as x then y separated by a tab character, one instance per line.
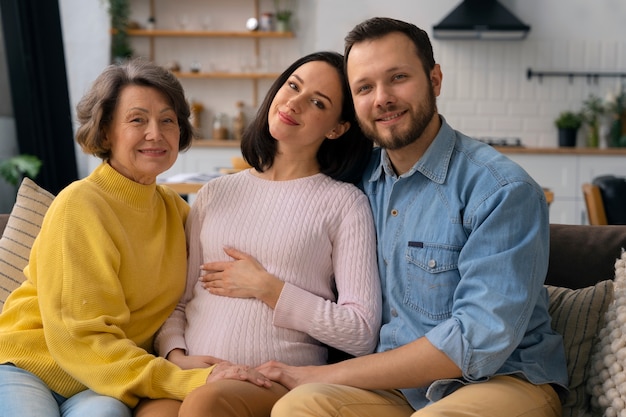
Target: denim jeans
24	394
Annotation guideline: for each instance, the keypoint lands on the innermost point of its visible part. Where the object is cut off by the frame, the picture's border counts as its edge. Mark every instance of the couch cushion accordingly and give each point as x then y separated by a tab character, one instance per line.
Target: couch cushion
22	227
580	255
578	315
607	379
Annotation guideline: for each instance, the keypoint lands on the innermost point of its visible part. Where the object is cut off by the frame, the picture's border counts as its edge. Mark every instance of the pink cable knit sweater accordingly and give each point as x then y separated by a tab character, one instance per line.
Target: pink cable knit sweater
315	234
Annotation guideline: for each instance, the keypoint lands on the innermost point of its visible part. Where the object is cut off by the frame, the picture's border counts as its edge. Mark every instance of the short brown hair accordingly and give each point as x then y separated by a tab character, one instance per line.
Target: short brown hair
95	110
377	27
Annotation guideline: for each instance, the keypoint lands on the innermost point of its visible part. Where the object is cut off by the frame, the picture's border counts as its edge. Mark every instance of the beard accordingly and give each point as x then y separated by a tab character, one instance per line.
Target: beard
397	137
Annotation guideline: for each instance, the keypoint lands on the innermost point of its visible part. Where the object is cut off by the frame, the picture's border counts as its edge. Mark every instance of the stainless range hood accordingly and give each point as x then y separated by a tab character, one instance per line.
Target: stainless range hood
481	19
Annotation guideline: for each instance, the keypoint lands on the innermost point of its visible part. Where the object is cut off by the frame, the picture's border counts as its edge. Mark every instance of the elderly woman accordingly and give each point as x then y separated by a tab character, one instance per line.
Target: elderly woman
108	266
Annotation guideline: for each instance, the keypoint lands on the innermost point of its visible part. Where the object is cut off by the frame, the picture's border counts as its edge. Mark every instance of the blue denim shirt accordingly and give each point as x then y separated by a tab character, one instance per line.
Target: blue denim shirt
463	244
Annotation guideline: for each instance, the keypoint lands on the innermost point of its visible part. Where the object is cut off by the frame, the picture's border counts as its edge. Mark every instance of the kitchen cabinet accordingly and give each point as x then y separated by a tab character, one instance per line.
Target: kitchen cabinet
220	61
564	172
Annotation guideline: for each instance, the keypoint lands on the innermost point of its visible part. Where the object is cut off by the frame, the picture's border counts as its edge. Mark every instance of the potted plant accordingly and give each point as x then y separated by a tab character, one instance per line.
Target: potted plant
283	16
593	109
568	124
119	11
12	170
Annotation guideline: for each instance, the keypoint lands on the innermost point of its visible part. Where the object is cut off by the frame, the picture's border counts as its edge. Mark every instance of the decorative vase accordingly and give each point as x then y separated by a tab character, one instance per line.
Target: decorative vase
239	122
282	25
593	136
567	137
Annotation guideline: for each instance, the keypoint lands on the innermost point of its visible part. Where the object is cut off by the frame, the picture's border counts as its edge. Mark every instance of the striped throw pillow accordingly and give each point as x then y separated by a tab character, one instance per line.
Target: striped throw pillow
578	315
31	204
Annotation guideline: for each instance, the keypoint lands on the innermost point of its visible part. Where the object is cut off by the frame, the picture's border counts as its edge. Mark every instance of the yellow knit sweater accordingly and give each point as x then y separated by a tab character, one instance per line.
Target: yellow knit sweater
106	270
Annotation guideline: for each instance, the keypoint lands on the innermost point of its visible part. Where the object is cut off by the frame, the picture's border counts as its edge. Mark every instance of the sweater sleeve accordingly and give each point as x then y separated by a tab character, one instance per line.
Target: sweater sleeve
84	307
172	334
350	324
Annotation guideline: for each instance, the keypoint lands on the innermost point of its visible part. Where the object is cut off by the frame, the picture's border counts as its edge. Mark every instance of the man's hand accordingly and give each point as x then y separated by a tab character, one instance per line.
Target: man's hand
292	376
227	370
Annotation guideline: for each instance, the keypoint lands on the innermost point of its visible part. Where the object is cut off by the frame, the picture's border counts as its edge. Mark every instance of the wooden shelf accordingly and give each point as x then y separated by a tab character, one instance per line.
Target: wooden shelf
228	75
215	143
173	33
151	40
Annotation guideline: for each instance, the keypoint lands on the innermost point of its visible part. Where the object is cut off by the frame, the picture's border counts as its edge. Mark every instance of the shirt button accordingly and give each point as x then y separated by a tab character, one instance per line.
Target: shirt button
432	263
394	312
394	212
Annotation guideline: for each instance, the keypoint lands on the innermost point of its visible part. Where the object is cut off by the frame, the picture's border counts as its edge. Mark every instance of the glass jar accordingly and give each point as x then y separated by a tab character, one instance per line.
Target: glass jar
266	24
220	130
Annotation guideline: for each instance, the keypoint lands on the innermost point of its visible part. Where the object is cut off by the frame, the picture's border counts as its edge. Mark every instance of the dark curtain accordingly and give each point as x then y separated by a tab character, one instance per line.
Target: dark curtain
39	93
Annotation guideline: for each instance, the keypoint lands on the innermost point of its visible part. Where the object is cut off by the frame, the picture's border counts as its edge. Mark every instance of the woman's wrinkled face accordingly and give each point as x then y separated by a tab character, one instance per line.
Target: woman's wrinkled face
307	108
143	135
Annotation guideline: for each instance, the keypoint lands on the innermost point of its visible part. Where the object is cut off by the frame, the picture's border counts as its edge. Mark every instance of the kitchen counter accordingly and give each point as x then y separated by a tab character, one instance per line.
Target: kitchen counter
212	143
561	151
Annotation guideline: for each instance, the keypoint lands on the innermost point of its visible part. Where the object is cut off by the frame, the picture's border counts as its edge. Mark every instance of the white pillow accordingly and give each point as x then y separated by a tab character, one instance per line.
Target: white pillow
607	379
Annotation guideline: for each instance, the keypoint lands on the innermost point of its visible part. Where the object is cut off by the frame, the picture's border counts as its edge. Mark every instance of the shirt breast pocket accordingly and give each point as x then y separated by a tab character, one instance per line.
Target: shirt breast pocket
432	277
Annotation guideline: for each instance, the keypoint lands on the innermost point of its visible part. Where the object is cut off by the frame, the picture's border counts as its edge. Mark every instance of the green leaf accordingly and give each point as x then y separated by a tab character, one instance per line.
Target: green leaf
15	168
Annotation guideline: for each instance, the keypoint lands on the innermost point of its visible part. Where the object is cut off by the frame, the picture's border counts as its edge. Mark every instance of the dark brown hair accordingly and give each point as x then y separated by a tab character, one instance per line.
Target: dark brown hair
95	110
377	27
343	158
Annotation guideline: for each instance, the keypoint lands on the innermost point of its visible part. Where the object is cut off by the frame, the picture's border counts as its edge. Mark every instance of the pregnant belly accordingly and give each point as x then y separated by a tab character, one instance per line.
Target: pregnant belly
241	331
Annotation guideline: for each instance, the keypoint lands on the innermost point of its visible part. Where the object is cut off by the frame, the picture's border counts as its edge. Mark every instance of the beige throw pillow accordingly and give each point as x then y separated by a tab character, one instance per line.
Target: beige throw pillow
24	223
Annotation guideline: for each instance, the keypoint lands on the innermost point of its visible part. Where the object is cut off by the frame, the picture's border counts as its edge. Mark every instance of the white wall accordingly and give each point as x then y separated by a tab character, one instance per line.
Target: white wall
86	43
485	90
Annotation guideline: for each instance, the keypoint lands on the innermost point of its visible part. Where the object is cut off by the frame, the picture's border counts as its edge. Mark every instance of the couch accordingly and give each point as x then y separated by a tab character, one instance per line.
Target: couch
579	281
